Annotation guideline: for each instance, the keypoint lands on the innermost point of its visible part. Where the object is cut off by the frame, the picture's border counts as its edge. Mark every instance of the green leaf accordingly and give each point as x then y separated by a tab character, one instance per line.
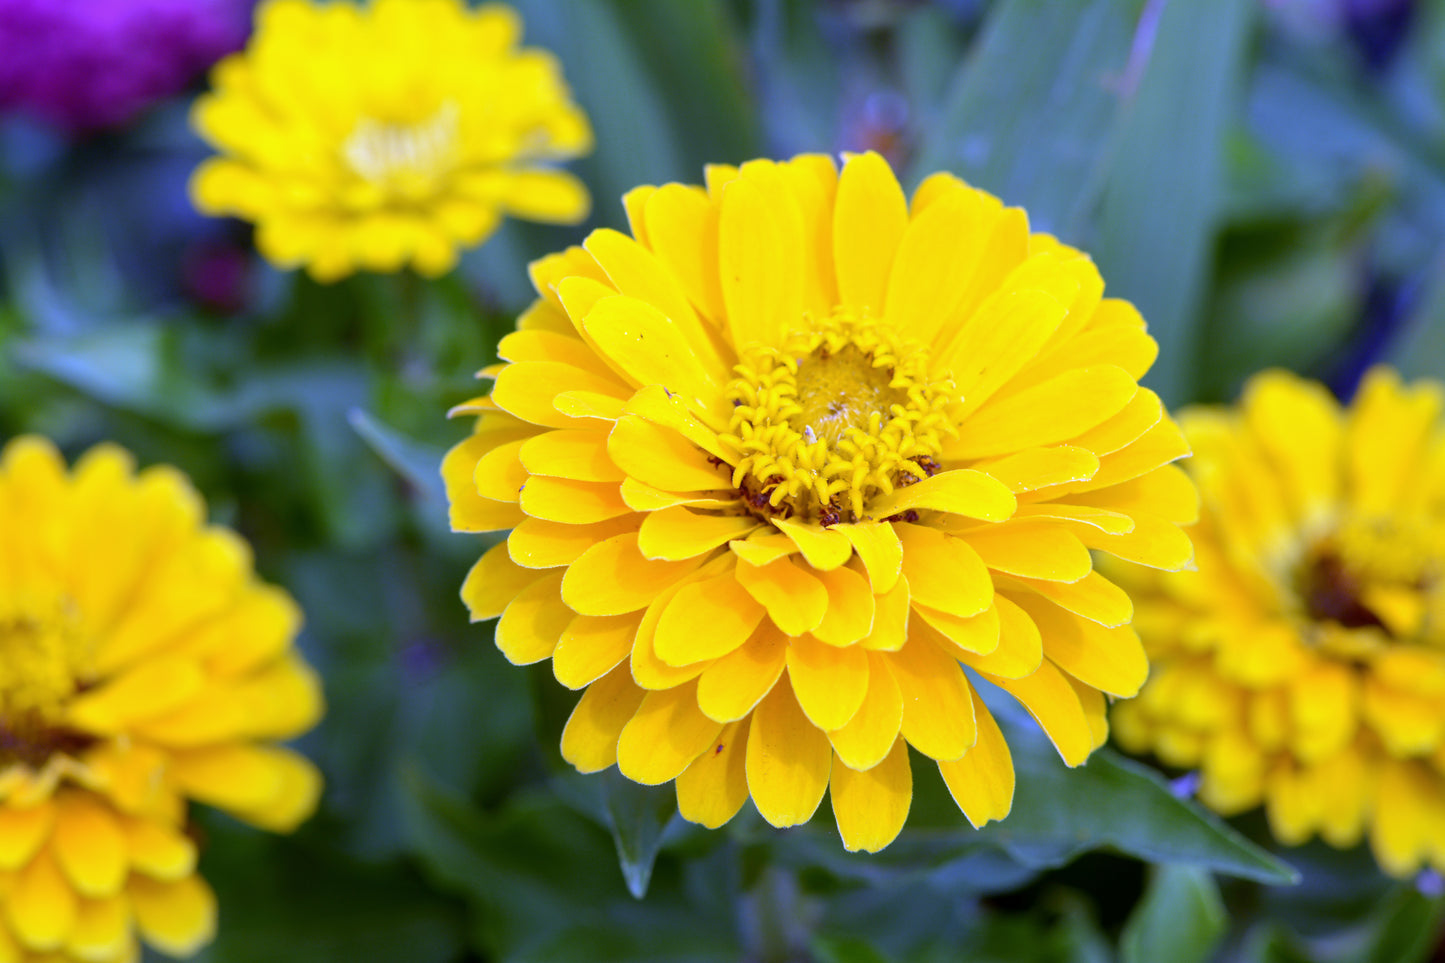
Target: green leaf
1405	929
639	815
1419	351
541	877
1181	918
1030	115
417	463
1165	188
1112	803
284	900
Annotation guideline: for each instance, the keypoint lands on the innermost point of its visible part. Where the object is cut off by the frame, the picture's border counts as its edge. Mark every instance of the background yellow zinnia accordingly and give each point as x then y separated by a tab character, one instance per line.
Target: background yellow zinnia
779	462
144	666
1302	665
377	136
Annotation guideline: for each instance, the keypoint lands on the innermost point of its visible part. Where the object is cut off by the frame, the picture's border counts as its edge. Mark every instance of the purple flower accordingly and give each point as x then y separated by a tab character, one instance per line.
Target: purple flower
82	65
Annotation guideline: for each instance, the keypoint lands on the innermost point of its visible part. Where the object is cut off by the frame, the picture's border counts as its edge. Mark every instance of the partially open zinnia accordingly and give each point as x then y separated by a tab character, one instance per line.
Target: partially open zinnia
1303	665
392	134
779	462
142	665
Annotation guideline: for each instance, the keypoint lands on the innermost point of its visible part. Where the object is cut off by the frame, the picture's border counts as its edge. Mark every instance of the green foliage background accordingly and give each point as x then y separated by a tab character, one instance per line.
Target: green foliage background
1263	182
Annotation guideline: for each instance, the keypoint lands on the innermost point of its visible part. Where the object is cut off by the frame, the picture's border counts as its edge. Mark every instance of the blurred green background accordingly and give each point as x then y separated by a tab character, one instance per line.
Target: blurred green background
1265	180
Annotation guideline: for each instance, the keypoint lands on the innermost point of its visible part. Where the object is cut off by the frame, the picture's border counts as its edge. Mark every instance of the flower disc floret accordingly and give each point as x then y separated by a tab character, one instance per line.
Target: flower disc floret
1302	665
387	135
844	412
142	666
780	463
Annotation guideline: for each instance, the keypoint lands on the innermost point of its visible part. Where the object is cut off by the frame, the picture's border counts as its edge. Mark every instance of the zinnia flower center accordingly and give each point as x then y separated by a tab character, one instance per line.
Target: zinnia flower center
39	662
839	414
406	159
1379	574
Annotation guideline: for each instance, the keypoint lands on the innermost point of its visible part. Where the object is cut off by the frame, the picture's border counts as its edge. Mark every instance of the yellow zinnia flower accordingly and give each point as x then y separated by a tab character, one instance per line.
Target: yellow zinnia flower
780	461
141	665
1303	664
377	137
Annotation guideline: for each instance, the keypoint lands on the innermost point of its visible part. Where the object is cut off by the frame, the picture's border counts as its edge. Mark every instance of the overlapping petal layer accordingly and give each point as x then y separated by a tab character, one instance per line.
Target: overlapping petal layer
142	665
1302	666
781	463
392	134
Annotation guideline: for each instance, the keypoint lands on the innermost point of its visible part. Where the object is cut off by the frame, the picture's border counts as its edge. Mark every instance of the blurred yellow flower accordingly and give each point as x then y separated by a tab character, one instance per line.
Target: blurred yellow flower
141	665
1302	665
373	138
780	461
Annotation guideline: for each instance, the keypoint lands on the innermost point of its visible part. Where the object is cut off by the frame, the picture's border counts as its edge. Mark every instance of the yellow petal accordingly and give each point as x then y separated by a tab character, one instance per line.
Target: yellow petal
796	601
527	390
730	688
22	830
549	196
1045	414
871	806
997	339
652	289
850	607
662	458
592	646
879	549
759	249
937	705
101	931
829	682
871	733
589	740
1094	597
714	787
982	782
535	543
613	578
653	348
158	850
533	622
1154	542
178	917
978	634
665	735
499	474
1035	468
1020	644
89	845
761	548
682	230
40	905
943	572
572	502
577	454
493	582
869	220
960	492
788	760
1143	412
1052	701
1033	549
1109	659
706	620
936	257
679	532
824	548
890	618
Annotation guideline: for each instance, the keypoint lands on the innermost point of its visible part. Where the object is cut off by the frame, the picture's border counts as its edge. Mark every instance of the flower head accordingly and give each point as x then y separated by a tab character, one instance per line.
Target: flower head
97	63
779	462
388	135
142	665
1302	665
